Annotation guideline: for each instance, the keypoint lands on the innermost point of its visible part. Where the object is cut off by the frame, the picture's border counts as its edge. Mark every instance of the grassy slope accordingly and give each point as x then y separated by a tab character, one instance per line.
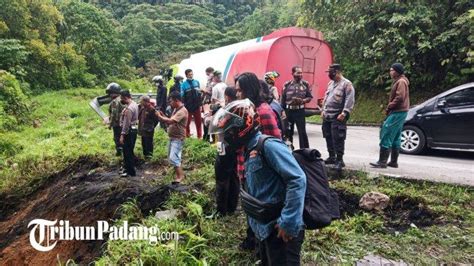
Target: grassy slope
70	130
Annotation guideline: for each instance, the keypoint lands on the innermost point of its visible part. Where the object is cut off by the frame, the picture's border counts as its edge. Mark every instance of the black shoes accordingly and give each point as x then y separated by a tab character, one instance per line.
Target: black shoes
383	158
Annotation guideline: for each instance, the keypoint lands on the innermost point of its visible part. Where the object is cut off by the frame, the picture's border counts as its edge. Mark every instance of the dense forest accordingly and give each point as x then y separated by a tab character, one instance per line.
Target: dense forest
53	45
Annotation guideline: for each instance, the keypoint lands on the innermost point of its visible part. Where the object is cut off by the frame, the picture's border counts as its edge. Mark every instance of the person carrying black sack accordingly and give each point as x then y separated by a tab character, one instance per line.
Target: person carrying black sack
273	180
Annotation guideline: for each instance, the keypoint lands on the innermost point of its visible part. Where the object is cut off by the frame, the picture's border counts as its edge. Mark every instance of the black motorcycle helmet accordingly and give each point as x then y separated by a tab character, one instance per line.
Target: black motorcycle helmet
113	88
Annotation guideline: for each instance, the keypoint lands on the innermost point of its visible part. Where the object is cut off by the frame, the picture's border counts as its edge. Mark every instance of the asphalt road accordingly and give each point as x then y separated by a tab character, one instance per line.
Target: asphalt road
362	148
456	167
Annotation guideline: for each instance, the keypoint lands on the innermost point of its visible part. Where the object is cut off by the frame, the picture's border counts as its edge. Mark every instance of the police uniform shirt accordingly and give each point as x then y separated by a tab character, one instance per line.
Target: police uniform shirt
129	118
339	97
293	89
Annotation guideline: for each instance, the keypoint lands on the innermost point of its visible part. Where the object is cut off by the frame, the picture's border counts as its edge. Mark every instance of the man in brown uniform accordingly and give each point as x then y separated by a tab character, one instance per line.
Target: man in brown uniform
147	122
176	133
397	109
296	93
128	136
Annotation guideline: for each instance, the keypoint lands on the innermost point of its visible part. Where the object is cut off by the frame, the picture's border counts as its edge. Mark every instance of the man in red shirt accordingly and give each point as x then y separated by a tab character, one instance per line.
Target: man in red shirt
248	86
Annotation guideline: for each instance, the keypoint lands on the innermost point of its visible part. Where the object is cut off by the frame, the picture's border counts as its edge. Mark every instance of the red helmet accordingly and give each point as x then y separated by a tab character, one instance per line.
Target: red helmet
237	121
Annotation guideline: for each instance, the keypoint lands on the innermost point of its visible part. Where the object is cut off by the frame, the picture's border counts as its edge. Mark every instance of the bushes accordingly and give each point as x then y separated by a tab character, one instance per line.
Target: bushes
14	104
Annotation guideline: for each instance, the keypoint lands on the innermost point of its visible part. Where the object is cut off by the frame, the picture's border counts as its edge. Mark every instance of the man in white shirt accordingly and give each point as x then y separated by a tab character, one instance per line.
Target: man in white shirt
218	91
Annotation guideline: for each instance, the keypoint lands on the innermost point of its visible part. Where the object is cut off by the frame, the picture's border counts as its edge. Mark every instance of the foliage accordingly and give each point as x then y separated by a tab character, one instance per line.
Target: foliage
12	56
30	50
14	105
95	36
368	36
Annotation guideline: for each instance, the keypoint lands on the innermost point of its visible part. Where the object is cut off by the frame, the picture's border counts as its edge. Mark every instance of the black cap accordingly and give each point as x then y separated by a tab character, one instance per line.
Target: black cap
399	68
125	93
335	67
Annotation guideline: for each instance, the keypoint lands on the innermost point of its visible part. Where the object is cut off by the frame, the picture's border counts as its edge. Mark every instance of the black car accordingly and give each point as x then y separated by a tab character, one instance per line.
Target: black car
444	121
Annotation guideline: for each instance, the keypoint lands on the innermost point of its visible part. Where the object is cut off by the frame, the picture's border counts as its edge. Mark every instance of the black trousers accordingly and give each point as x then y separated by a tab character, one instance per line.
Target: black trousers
128	155
297	117
147	144
274	251
117	131
227	183
334	131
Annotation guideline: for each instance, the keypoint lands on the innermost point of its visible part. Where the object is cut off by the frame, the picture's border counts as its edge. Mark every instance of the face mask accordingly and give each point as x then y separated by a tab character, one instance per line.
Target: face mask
332	75
297	78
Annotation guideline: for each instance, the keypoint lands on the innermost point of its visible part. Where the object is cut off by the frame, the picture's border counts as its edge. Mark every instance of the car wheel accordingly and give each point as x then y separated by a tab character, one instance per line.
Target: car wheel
413	140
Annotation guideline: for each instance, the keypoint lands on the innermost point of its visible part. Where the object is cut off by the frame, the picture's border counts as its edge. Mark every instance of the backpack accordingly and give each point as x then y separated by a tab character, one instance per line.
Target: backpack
321	204
192	98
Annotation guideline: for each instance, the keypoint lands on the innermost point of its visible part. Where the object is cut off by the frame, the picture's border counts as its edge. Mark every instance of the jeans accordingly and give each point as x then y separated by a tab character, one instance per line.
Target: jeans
274	251
175	148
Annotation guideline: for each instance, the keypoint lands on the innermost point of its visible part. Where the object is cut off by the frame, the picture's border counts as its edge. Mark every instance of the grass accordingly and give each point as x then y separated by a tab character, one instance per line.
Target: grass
70	130
213	240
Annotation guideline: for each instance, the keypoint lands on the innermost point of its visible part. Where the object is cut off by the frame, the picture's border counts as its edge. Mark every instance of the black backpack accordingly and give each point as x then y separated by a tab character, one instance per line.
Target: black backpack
192	98
321	204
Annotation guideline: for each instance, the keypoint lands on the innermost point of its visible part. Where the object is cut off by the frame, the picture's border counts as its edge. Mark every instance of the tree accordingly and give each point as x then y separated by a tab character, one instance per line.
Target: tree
94	34
432	40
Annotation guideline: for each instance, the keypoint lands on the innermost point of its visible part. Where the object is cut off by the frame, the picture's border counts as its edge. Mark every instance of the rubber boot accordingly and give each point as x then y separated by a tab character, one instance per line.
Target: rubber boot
383	158
339	163
394	158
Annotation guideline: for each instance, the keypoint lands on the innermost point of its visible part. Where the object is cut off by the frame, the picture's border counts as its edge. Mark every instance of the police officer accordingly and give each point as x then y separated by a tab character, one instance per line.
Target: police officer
128	136
115	109
296	93
337	106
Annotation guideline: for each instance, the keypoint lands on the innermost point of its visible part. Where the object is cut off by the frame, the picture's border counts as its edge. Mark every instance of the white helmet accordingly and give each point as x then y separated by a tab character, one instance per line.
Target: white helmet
157	78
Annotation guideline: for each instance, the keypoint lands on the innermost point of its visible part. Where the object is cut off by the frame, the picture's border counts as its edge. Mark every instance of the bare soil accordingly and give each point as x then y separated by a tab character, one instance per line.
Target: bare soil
82	194
402	212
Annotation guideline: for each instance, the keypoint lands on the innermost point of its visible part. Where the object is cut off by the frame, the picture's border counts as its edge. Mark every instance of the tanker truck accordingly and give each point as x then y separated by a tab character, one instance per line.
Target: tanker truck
278	51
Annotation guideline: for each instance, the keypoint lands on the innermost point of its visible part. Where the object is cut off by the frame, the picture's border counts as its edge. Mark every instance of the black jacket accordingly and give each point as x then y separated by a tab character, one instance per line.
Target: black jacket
161	98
